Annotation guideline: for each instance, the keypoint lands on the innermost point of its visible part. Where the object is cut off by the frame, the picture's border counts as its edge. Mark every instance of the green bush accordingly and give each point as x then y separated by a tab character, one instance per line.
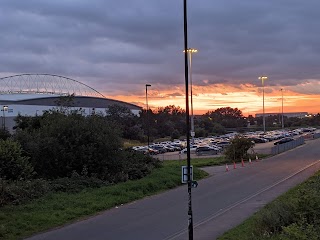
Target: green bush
295	215
300	231
273	217
238	148
13	165
64	143
17	192
75	184
138	165
4	134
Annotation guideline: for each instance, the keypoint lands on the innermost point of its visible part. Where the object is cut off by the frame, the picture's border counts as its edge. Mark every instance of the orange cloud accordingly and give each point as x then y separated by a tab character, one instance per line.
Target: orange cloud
246	97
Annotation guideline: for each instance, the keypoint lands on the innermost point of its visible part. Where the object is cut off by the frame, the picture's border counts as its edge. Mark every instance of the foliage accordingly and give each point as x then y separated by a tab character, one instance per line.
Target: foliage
64	207
238	148
17	192
13	165
175	134
164	121
66	143
294	215
227	117
126	120
300	231
4	134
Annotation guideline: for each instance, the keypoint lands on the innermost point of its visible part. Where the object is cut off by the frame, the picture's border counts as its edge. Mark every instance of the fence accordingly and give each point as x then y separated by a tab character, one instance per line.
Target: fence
316	135
287	146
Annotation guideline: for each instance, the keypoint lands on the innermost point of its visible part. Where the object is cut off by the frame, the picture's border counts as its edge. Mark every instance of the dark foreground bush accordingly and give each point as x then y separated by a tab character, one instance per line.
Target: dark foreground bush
17	192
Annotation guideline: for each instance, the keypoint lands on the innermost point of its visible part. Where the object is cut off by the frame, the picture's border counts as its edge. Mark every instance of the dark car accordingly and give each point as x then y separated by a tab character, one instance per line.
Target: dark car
160	149
206	150
283	140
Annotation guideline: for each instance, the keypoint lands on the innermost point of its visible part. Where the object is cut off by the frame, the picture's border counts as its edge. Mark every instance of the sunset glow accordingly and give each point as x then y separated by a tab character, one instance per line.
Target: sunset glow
246	97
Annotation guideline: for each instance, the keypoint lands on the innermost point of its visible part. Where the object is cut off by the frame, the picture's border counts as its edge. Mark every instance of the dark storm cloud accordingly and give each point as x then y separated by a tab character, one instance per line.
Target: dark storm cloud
113	45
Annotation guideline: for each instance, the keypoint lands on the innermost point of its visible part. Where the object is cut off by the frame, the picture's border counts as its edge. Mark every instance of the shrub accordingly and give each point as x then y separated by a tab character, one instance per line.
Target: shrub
299	231
273	217
17	192
63	143
238	148
13	165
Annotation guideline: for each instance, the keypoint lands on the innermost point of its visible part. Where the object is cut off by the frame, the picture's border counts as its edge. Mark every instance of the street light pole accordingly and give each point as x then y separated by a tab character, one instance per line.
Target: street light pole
148	133
190	51
4	108
282	122
186	70
263	78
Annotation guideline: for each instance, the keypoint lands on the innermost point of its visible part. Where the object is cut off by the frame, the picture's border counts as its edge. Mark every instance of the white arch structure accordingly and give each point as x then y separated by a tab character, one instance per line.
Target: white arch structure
46	84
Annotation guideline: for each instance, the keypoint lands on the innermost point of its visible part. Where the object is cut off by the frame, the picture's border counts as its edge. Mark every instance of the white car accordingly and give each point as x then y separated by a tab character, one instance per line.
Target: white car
192	149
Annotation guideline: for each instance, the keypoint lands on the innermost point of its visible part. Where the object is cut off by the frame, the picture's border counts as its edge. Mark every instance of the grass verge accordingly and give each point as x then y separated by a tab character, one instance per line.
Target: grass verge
294	215
17	222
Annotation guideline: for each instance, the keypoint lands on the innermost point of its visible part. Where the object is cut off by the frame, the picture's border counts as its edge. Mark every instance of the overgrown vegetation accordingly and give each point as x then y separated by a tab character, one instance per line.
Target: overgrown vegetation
63	150
293	216
67	205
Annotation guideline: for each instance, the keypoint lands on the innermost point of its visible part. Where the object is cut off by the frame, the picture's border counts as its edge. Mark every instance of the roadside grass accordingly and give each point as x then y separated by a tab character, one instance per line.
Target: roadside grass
292	216
17	222
58	209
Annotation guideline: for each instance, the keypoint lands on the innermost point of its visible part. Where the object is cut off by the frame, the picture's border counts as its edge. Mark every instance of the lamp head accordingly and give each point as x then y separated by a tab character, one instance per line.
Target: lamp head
148	85
191	50
263	78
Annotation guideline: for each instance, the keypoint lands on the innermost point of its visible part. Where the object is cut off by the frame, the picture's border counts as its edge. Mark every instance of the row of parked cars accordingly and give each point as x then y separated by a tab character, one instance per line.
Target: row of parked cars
216	144
158	148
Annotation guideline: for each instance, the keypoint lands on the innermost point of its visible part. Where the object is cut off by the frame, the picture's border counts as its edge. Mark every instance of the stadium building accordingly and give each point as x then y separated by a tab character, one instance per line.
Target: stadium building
31	94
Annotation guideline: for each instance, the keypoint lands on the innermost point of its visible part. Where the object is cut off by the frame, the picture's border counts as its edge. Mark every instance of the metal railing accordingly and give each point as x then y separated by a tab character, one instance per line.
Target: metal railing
287	146
316	135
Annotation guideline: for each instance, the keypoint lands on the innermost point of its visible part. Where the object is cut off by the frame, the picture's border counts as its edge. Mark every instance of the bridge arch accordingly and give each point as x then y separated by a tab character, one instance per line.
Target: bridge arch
46	84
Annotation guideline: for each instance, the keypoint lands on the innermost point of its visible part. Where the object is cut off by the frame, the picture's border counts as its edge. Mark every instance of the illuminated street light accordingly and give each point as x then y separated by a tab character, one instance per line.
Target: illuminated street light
263	78
186	71
282	123
4	108
190	51
148	133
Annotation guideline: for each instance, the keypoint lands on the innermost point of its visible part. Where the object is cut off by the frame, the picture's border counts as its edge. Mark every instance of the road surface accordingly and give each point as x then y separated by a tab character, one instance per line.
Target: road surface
220	202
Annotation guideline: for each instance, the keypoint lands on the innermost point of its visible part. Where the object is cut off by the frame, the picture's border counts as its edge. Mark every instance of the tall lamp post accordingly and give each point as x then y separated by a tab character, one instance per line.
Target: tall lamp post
282	123
263	78
190	51
186	70
4	108
148	133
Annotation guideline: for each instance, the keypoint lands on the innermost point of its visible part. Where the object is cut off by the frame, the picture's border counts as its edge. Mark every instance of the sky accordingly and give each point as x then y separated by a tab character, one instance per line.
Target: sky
117	47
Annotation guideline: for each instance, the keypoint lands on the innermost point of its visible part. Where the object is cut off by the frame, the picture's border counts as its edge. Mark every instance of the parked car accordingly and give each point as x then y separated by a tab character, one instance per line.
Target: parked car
159	148
258	140
192	149
283	140
206	150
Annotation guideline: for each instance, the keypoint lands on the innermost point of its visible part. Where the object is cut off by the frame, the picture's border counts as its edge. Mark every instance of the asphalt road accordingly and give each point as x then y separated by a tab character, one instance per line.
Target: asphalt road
220	202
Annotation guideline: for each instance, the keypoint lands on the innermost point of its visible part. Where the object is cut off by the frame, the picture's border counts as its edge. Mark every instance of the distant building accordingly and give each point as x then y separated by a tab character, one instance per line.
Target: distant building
32	94
289	115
